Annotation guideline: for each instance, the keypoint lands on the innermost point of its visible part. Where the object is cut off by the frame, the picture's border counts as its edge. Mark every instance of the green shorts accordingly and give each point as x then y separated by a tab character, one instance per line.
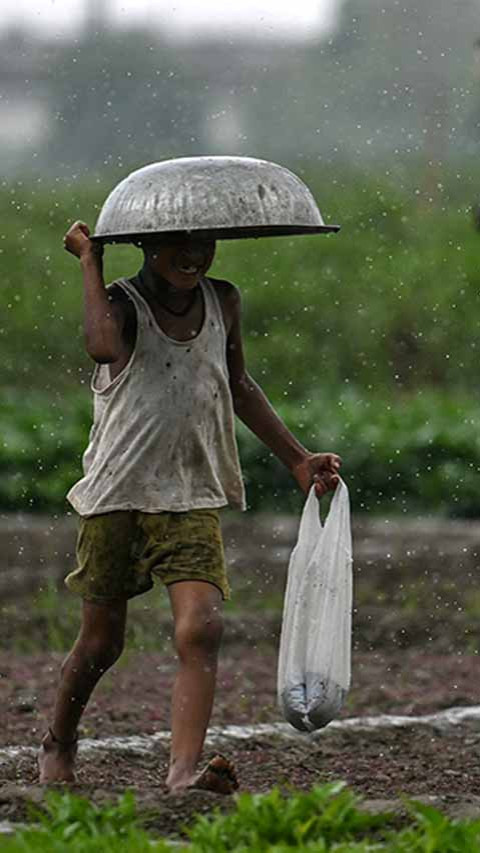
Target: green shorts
119	553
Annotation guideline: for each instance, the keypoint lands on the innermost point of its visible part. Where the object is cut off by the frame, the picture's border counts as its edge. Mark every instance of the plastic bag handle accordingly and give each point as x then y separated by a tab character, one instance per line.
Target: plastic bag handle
310	519
310	513
340	497
311	508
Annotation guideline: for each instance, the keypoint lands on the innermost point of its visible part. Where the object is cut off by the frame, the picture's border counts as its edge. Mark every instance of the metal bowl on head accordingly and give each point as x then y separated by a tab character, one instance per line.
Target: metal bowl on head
220	198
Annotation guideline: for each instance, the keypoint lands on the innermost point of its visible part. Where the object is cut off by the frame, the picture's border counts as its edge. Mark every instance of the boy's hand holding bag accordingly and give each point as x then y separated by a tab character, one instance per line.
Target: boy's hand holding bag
315	643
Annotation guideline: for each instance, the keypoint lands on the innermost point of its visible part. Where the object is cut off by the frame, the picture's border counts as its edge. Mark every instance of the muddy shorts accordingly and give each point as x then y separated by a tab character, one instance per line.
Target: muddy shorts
119	553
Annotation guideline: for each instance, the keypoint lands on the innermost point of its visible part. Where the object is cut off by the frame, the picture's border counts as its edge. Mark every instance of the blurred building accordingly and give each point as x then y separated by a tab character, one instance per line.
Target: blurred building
25	110
394	81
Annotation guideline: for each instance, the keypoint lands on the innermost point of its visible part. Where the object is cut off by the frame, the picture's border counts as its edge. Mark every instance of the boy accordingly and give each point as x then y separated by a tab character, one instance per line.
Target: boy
161	461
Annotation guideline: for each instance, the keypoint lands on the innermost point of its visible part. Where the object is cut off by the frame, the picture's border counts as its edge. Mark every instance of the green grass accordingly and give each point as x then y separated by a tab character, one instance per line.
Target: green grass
328	818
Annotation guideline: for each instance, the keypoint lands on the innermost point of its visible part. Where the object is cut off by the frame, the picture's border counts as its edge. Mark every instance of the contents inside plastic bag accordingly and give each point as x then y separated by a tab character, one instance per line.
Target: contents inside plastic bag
315	644
313	704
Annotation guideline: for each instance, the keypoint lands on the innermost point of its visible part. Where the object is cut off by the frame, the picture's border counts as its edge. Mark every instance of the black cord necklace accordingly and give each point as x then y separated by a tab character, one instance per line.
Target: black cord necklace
187	308
184	310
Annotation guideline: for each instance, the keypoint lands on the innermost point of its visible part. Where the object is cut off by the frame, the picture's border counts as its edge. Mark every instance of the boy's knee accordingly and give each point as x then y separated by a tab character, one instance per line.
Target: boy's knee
98	653
104	653
199	631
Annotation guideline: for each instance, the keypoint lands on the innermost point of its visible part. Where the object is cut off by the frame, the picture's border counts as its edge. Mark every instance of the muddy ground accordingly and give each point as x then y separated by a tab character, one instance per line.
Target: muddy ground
380	765
416	638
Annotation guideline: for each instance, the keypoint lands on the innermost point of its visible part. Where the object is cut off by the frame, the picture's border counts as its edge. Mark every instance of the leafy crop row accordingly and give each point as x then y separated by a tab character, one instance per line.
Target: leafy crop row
390	302
328	818
412	453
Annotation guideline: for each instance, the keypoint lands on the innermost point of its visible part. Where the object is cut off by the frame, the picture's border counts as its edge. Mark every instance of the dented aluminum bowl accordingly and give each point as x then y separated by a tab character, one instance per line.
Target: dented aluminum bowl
213	197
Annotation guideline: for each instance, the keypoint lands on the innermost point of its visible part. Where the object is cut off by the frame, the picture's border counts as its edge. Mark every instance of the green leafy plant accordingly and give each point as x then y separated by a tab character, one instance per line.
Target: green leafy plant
67	816
325	820
366	342
405	453
73	824
328	814
390	302
434	832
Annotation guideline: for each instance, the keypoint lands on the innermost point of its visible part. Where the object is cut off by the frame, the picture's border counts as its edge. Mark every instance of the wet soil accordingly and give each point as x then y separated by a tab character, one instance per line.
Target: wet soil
380	765
416	639
134	697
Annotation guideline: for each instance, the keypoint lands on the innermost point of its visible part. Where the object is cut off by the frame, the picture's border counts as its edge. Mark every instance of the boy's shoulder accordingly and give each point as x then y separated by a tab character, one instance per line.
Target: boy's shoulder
228	295
122	305
225	290
120	298
116	293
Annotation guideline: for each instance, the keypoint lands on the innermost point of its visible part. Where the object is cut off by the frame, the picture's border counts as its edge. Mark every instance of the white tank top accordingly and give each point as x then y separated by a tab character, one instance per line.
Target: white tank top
163	433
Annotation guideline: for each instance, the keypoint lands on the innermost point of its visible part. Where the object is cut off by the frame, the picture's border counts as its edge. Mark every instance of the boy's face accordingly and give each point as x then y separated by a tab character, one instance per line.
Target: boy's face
182	262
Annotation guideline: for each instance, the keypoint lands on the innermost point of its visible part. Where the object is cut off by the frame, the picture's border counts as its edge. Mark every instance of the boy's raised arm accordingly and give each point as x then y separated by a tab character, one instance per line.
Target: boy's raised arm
103	319
253	408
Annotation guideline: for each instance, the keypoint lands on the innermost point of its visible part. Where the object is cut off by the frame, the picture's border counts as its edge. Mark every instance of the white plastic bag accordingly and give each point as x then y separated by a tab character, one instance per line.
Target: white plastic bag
315	643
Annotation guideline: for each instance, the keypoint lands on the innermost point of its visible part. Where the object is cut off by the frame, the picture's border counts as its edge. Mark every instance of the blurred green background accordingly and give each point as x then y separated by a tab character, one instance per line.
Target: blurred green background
365	341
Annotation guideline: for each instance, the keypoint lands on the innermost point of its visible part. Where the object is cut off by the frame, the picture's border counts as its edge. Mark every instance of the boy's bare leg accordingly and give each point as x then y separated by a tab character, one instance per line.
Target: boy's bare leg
98	645
196	609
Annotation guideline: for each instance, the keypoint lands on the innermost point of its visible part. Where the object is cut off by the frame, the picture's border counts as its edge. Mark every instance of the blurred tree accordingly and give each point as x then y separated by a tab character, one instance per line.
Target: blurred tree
394	81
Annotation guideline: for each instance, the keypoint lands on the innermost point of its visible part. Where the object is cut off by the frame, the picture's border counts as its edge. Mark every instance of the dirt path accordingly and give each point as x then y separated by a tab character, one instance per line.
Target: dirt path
378	765
416	639
402	682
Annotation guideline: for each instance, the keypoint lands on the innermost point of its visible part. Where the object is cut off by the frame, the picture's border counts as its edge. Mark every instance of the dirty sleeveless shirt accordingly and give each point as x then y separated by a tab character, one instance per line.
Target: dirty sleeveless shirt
163	435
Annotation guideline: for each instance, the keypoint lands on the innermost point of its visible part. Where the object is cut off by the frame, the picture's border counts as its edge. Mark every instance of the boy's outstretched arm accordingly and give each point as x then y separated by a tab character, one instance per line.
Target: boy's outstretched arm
253	408
104	320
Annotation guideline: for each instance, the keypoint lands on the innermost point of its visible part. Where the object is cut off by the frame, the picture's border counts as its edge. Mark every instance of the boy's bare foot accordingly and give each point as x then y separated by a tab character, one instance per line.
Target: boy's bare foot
56	760
218	776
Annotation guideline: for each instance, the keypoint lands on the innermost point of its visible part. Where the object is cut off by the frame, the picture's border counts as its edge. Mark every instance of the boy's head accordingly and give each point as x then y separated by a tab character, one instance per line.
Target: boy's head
180	259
